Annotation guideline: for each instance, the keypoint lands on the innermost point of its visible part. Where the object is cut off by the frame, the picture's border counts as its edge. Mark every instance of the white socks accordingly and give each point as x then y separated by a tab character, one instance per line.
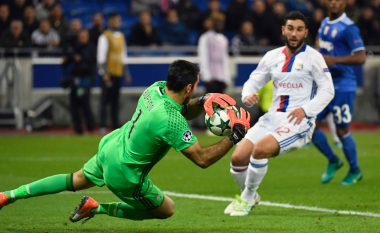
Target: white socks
256	171
239	173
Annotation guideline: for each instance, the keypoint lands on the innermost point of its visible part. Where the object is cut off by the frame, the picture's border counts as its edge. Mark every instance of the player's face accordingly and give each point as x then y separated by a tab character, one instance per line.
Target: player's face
336	7
115	22
294	33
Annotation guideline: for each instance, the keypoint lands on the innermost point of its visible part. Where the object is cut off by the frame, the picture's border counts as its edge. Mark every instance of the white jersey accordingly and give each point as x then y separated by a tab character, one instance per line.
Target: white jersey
301	80
213	57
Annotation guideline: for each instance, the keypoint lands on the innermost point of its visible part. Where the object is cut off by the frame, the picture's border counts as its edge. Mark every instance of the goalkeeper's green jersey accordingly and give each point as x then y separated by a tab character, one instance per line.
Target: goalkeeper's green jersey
156	125
126	155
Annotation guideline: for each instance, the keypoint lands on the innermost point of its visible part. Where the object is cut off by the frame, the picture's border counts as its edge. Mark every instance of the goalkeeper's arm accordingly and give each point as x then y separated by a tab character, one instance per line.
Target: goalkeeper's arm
204	157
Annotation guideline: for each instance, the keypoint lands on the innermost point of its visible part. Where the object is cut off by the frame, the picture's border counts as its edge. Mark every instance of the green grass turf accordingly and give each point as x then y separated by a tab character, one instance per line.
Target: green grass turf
292	178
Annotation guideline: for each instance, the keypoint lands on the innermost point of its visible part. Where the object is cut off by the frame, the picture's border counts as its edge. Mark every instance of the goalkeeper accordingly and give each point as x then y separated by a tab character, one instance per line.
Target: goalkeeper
126	155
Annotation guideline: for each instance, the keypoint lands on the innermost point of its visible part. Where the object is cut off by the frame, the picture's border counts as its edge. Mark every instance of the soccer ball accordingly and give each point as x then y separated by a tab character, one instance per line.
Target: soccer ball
219	122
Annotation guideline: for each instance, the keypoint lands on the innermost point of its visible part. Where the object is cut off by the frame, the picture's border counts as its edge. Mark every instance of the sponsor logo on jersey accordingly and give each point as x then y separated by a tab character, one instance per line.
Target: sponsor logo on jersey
287	85
187	136
326	45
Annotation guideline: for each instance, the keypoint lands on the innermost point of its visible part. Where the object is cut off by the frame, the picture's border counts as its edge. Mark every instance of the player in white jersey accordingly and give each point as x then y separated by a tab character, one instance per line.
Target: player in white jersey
302	87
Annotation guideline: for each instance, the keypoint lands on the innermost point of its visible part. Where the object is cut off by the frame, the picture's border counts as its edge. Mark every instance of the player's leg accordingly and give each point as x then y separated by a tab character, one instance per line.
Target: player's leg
283	138
114	105
241	156
320	141
239	162
153	204
333	130
104	102
343	111
257	169
349	148
258	165
49	185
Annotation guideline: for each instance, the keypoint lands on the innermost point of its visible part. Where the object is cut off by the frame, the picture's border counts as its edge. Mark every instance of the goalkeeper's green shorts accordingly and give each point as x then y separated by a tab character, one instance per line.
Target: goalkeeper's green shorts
127	181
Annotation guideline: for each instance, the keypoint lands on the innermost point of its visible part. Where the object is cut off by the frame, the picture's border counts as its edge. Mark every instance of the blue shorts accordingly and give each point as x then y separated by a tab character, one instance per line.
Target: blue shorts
342	107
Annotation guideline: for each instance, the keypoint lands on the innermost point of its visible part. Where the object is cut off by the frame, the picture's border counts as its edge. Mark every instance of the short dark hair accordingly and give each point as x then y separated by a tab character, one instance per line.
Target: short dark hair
294	15
180	74
113	15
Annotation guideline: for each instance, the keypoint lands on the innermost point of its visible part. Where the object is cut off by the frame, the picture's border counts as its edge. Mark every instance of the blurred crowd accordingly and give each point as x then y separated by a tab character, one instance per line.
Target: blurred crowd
54	23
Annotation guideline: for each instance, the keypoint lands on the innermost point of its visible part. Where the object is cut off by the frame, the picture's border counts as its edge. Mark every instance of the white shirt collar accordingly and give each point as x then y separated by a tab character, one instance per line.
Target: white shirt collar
337	20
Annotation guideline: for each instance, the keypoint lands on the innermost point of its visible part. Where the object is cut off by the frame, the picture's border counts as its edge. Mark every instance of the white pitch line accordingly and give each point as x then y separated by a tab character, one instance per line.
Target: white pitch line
263	203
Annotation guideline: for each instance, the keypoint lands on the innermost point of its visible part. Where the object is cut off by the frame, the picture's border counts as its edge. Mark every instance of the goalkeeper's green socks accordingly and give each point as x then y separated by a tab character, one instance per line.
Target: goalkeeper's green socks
48	185
122	210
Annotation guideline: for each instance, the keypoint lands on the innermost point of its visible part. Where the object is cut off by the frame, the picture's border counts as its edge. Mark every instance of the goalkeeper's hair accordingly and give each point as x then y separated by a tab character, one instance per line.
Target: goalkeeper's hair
294	15
180	74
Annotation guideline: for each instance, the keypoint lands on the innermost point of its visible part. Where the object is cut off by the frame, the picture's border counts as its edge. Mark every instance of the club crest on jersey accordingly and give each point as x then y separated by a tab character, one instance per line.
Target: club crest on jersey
187	136
327	28
334	32
298	66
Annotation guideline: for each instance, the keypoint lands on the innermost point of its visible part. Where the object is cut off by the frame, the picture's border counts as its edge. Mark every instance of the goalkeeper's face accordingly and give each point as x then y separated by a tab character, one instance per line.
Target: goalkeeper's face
189	91
294	33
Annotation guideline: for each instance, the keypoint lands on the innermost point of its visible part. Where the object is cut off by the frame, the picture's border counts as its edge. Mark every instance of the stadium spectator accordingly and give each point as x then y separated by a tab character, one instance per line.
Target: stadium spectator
213	8
353	10
369	26
71	36
245	38
213	56
4	18
97	27
30	20
15	37
189	14
153	6
45	36
17	8
173	31
125	157
237	12
342	47
258	15
314	24
82	65
58	21
43	9
375	5
298	71
144	33
305	6
278	11
111	57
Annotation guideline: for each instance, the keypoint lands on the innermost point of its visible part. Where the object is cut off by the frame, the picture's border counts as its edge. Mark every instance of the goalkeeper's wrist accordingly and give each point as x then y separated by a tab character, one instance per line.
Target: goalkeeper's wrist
234	138
202	99
237	134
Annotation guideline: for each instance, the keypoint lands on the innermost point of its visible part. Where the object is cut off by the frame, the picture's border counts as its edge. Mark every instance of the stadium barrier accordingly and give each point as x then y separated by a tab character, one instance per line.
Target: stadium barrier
40	80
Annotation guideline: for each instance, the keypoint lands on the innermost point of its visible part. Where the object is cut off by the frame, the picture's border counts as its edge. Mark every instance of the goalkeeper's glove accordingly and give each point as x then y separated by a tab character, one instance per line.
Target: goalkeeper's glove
239	125
221	99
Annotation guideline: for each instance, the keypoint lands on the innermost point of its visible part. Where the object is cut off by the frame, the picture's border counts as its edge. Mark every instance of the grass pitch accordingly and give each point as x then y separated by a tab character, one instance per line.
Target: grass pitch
292	178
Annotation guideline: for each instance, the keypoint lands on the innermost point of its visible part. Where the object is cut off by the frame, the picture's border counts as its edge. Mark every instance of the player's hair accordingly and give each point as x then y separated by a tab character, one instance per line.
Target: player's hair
180	74
113	15
294	15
